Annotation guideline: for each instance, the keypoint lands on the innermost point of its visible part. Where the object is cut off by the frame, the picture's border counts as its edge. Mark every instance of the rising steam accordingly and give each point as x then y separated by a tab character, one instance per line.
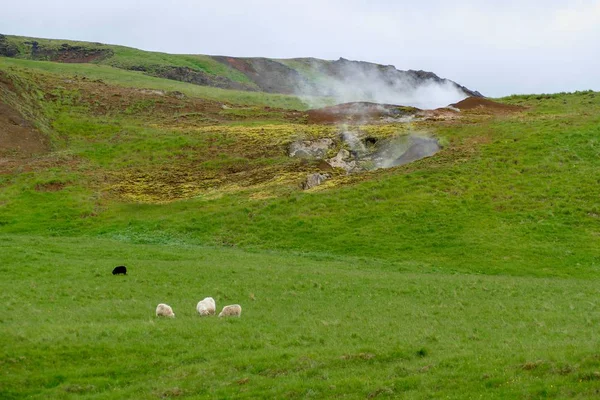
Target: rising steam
351	81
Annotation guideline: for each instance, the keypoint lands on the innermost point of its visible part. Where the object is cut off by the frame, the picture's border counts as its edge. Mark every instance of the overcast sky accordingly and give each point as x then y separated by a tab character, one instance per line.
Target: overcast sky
496	47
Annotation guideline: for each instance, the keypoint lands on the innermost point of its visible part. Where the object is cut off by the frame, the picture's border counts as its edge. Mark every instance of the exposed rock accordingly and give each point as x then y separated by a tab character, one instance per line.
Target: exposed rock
177	94
310	148
403	150
315	180
67	53
344	160
153	92
420	148
7	49
366	153
185	74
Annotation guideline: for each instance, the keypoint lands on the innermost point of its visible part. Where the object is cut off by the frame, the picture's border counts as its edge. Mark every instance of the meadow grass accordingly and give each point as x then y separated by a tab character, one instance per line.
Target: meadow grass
311	326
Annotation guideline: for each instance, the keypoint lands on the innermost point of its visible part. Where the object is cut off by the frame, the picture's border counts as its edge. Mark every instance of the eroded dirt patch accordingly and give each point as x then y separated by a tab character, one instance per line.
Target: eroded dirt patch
483	104
18	137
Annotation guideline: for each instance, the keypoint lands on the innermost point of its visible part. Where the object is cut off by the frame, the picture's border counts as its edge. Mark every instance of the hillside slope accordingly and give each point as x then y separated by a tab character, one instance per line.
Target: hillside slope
342	79
219	172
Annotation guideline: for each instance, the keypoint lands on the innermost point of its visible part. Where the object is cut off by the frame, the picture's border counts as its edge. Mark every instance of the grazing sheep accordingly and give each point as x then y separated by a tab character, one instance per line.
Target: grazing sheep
234	310
206	307
163	310
121	269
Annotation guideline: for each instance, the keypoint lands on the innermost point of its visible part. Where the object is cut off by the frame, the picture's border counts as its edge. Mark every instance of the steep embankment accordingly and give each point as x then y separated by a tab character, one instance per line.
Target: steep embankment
343	79
23	126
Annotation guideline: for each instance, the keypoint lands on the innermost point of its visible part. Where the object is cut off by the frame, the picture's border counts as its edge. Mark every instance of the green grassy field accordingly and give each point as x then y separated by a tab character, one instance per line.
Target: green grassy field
470	274
311	326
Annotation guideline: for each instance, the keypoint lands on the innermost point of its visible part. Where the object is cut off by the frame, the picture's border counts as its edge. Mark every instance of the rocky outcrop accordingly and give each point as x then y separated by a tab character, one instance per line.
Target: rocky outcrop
67	53
185	74
310	148
7	49
403	150
360	153
314	180
344	160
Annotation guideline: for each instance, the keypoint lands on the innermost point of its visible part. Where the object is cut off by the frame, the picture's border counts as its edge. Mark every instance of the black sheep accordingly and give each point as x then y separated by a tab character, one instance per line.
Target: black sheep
121	269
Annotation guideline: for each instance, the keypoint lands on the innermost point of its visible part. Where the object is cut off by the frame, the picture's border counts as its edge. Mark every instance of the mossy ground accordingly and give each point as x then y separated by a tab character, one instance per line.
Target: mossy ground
473	273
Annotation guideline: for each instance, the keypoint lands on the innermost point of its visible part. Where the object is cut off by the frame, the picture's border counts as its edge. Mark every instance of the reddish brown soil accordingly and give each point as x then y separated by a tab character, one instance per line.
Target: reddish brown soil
6	83
17	136
74	57
241	65
358	112
480	103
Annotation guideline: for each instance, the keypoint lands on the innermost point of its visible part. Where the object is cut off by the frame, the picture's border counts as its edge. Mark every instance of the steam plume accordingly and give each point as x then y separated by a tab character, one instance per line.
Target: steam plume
352	81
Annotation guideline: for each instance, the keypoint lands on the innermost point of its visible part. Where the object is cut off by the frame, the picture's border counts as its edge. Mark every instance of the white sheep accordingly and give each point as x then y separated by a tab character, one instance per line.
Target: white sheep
164	310
206	307
234	310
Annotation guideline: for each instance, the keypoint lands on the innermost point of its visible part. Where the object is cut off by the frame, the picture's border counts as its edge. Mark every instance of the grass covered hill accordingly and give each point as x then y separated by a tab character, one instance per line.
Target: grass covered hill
304	76
470	273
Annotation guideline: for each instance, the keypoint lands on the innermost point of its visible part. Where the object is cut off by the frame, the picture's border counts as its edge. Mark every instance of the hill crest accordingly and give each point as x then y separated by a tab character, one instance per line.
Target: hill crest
342	79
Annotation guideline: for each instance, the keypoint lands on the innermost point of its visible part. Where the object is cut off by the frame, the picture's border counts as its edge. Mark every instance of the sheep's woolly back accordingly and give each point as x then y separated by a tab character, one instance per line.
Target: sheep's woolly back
234	310
164	310
206	307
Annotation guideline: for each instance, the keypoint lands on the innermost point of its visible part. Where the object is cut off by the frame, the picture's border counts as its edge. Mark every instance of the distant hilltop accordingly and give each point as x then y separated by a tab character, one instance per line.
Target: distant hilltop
344	80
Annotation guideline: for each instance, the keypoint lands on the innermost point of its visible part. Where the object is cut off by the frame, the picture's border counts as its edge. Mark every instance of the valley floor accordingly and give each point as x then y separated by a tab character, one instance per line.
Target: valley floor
312	326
